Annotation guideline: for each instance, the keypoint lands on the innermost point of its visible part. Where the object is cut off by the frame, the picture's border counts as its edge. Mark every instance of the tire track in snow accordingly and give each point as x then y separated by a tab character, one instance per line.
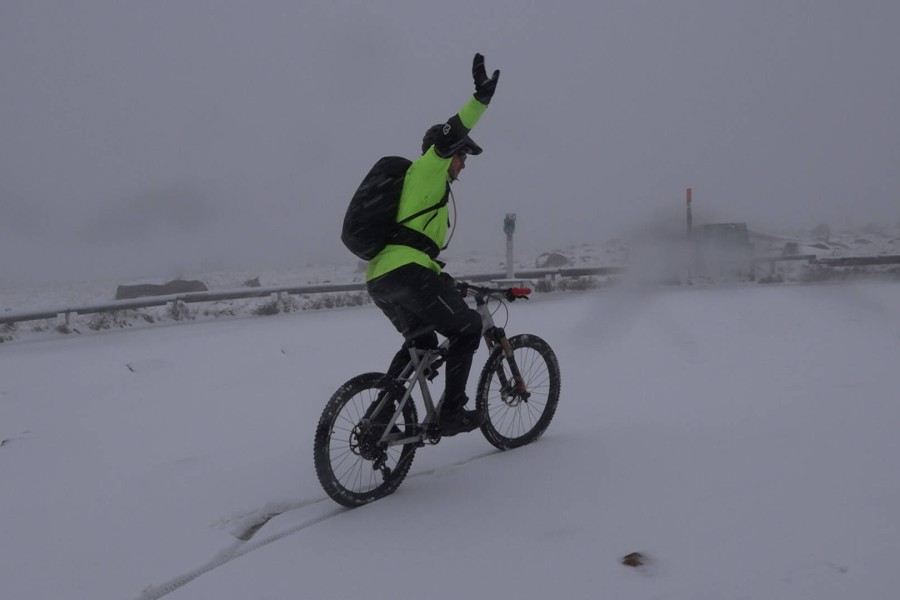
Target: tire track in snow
236	550
244	546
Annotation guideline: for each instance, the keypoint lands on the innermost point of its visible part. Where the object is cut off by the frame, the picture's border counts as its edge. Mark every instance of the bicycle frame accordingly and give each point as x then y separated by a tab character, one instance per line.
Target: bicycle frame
421	360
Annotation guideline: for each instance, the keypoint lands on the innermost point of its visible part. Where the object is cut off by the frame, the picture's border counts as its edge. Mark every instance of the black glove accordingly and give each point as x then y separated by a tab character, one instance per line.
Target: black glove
484	87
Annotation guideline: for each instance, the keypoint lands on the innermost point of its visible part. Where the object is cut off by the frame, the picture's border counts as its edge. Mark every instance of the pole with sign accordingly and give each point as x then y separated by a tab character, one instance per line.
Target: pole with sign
509	227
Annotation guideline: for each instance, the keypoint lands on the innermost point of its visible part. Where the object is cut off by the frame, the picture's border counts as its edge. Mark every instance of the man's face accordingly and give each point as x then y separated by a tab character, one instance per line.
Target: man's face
457	164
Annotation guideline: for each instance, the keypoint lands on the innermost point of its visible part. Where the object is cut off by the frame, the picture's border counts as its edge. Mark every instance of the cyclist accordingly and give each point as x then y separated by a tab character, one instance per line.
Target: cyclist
407	282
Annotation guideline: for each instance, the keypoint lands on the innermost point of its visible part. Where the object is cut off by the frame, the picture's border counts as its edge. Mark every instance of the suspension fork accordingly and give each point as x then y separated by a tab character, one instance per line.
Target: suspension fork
497	336
494	335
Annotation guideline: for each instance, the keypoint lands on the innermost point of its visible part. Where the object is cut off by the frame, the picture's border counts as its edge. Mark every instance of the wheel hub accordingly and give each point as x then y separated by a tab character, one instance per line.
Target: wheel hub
364	440
512	396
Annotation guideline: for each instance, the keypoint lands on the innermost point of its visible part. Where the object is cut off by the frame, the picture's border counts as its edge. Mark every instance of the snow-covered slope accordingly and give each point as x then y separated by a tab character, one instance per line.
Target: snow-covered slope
742	438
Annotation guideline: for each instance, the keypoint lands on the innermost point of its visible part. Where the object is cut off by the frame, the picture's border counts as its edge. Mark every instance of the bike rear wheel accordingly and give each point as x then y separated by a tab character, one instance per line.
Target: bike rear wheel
514	418
352	468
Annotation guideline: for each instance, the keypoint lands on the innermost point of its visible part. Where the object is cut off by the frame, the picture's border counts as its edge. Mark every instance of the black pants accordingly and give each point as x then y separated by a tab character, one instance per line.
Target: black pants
417	299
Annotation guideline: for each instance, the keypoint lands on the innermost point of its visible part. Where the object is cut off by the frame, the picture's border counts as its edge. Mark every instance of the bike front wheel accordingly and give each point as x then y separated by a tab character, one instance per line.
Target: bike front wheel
515	417
353	468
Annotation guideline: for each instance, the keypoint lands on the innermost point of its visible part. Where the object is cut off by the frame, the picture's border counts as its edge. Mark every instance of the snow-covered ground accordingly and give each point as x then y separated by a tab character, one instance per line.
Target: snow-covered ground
871	240
741	437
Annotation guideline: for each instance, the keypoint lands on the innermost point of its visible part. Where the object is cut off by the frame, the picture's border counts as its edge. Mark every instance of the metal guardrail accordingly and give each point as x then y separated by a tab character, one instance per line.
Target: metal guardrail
860	261
849	261
771	260
240	294
186	298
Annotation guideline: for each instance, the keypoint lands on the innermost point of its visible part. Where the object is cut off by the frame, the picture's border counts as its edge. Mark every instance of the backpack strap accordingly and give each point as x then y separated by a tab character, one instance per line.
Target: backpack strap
427	210
406	236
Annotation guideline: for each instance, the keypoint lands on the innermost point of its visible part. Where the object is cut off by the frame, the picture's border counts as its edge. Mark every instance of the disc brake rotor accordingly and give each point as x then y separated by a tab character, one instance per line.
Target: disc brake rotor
364	441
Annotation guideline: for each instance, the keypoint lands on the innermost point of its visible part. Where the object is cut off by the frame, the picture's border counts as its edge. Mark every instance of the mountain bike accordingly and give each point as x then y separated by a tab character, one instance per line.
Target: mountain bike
369	430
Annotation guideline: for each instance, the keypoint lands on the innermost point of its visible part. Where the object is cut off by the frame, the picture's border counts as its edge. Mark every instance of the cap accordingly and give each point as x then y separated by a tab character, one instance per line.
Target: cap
436	132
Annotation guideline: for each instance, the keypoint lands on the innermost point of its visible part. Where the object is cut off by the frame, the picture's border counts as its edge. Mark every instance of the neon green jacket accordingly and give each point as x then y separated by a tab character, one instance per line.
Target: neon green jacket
427	182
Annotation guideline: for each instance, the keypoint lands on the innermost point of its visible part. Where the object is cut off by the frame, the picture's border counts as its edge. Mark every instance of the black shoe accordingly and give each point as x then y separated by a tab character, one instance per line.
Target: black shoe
384	416
459	420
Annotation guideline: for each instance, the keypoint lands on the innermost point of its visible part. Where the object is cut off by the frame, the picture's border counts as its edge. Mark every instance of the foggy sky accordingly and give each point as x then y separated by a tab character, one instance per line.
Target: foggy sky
142	139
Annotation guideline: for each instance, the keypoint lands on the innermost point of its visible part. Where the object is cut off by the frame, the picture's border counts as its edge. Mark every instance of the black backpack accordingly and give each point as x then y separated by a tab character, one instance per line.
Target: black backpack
370	221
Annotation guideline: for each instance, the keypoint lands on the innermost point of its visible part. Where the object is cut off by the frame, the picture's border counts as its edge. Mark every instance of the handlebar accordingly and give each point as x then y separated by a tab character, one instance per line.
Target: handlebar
509	294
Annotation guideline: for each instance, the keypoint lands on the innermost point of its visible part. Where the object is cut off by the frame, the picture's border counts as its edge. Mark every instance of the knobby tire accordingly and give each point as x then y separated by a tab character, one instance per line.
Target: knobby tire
345	475
511	421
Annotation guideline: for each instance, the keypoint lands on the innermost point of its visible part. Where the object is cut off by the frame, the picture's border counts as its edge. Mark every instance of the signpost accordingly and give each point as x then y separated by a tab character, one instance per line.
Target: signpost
509	227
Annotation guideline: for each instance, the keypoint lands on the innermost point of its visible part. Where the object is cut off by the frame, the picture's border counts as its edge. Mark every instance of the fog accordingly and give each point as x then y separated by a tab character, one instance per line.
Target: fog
148	139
